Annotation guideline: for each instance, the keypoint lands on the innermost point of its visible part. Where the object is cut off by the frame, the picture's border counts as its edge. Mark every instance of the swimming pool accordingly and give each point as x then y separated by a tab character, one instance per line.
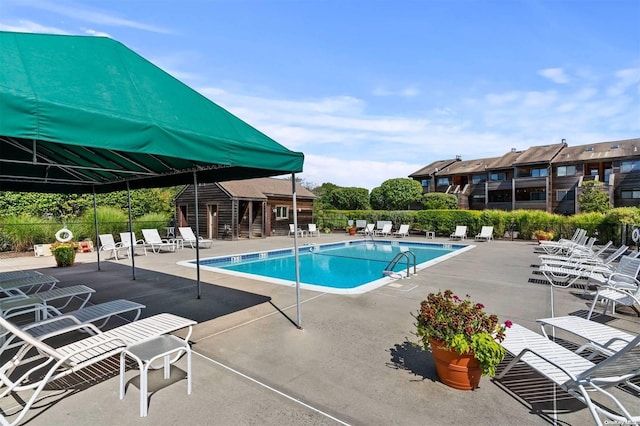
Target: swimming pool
348	267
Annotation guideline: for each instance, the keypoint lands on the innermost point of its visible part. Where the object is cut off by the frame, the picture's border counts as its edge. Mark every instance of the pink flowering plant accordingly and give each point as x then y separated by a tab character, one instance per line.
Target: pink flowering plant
463	326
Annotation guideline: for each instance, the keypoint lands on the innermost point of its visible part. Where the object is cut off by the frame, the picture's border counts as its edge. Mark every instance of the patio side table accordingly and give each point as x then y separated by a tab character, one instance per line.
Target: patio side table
430	234
169	348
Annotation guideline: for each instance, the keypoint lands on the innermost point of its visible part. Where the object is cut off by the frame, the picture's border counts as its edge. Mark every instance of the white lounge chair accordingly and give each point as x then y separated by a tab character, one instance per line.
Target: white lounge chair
51	363
28	284
565	275
576	375
601	338
385	231
128	239
586	255
313	229
108	244
486	234
38	302
189	237
402	232
460	233
562	246
292	230
617	293
12	275
368	229
57	321
152	239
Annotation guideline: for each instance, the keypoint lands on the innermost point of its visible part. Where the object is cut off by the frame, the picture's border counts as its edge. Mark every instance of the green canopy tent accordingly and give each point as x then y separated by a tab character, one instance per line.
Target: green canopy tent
88	115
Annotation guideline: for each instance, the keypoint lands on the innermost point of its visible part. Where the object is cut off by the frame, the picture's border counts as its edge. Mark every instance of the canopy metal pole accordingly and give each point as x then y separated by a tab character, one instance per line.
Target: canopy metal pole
195	191
95	222
295	248
132	237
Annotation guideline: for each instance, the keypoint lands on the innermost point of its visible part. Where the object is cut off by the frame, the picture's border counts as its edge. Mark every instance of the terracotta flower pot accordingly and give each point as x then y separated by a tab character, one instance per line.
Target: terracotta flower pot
459	371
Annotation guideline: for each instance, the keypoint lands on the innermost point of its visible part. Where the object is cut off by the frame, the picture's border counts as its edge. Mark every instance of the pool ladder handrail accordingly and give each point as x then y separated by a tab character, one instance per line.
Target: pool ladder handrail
388	270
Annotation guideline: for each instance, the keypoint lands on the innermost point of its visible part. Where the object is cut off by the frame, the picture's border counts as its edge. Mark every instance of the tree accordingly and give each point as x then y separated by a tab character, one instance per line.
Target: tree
376	199
593	198
350	198
398	194
439	200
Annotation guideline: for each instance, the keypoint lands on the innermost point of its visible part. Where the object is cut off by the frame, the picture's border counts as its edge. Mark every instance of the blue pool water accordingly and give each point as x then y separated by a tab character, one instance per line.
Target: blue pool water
345	267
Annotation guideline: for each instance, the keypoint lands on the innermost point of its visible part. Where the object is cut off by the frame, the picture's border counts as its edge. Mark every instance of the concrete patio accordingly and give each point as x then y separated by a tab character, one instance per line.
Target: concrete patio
352	363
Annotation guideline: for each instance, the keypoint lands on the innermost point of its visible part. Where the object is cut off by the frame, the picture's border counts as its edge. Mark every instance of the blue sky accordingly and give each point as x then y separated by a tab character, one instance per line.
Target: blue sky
374	90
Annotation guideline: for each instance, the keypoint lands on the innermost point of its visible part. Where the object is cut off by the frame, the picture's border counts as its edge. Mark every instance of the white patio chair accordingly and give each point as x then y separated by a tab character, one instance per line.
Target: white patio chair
486	234
28	284
152	239
586	255
313	229
600	338
368	229
12	275
189	237
622	294
292	231
576	375
385	231
562	246
402	232
37	302
460	233
57	322
108	244
50	363
131	243
565	275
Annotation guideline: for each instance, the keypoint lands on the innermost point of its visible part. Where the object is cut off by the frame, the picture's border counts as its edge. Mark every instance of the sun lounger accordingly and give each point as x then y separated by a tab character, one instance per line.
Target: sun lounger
576	375
600	337
486	234
460	233
385	231
51	363
152	239
402	232
38	302
189	237
58	321
12	275
29	284
313	230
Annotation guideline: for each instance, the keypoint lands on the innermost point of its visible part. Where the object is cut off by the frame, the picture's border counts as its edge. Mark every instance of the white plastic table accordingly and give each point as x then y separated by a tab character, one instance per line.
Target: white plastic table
167	347
430	234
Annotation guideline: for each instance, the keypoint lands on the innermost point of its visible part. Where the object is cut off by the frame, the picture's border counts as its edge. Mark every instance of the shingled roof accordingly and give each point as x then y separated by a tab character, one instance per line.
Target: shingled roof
262	188
467	167
433	168
599	151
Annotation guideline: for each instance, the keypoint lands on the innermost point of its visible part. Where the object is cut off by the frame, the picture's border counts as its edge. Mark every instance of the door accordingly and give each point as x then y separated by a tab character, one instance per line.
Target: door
212	221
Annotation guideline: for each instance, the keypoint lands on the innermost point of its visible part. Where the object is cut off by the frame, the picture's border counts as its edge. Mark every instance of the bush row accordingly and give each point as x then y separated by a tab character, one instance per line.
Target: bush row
21	233
525	222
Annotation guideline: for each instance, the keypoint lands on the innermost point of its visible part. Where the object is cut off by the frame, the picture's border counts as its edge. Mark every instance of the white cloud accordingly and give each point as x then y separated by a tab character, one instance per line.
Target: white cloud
557	75
25	26
407	92
624	80
97	33
94	16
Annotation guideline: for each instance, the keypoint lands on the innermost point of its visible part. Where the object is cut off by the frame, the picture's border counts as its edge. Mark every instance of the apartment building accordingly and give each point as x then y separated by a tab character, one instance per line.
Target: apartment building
546	177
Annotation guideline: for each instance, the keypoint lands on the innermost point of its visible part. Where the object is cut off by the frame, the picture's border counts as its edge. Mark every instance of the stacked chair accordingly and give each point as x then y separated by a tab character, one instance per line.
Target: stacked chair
28	320
606	357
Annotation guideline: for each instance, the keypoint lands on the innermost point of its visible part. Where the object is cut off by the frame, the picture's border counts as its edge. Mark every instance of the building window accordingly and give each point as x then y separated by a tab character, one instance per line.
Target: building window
498	176
425	183
476	179
539	172
627	195
566	195
443	181
282	212
566	170
538	195
628	166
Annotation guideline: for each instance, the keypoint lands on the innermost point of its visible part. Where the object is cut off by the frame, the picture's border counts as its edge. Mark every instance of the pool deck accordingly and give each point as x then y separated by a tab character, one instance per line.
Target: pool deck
352	362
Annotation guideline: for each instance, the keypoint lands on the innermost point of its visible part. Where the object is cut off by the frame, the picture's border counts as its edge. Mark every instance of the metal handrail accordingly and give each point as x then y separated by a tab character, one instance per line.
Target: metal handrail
396	259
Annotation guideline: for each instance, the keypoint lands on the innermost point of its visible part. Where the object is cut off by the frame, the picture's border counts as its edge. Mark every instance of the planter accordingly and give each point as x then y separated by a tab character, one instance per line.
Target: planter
459	371
352	231
65	256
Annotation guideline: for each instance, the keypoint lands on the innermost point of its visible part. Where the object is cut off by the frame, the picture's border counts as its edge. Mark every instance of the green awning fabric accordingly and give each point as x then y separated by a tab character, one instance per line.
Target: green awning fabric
79	114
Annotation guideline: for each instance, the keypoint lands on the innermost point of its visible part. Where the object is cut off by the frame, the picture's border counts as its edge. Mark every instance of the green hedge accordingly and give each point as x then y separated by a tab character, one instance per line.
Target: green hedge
608	226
